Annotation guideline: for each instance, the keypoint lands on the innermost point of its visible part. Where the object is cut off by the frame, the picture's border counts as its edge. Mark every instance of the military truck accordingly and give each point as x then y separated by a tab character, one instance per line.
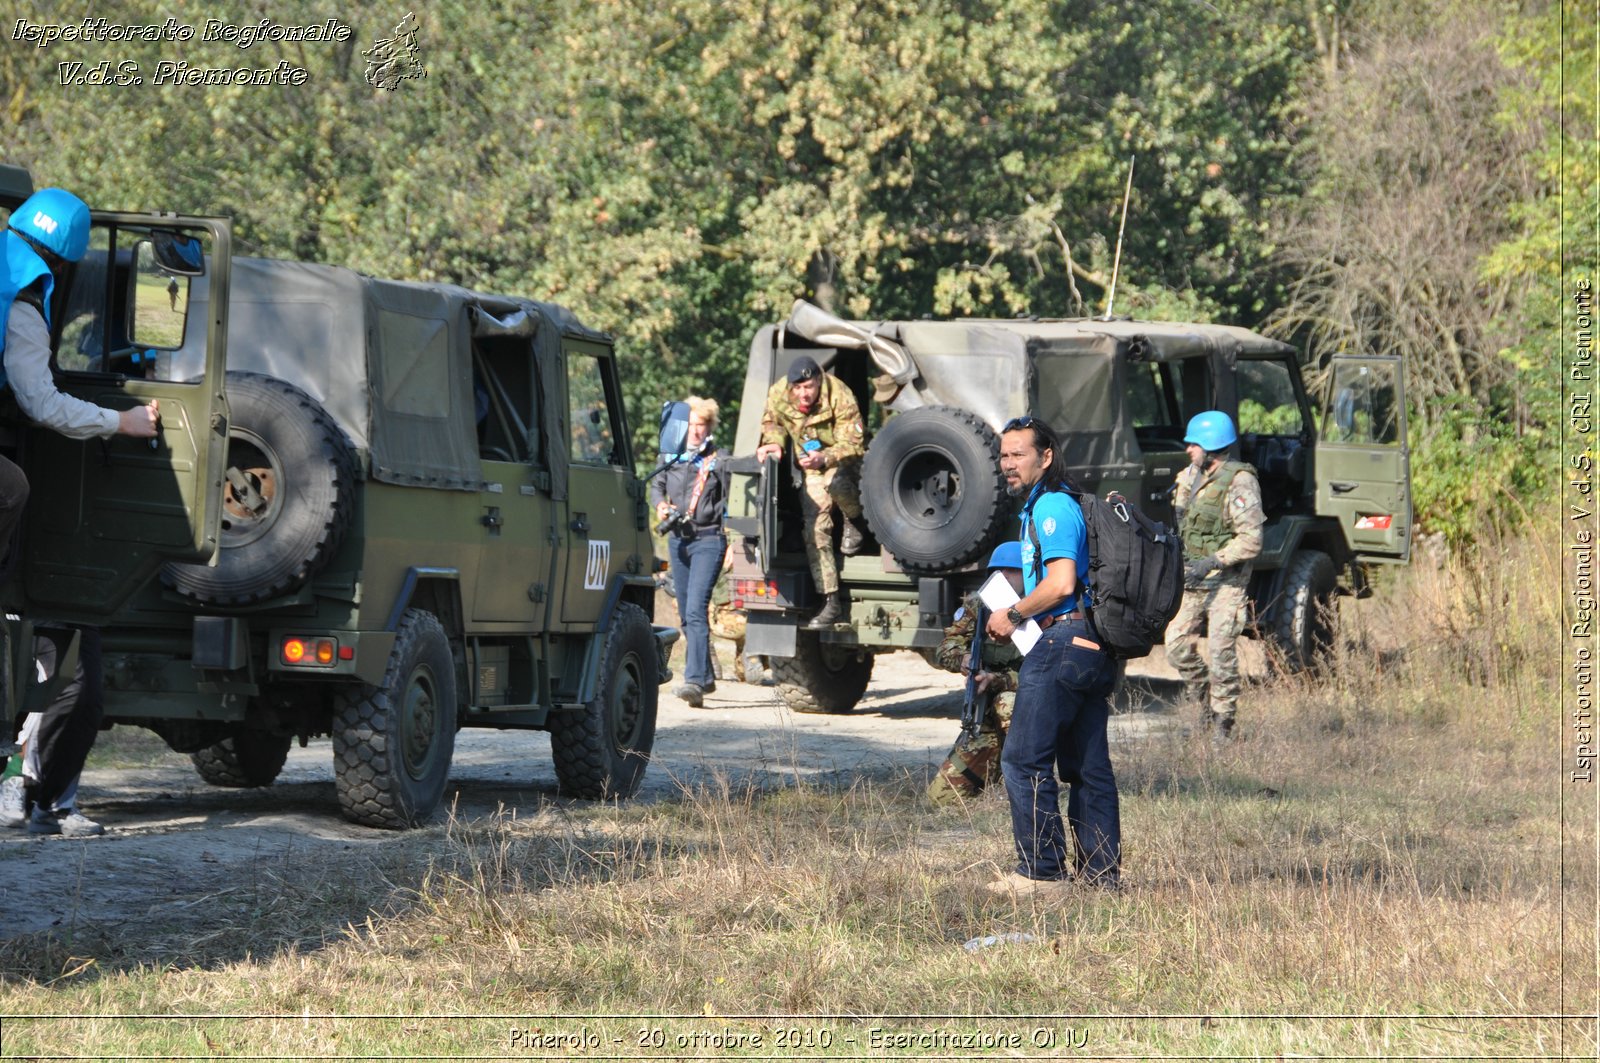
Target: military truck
423	512
1120	393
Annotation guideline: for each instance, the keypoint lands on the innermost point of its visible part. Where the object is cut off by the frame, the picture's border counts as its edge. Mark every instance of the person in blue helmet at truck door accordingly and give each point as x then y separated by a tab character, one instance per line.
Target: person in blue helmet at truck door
44	237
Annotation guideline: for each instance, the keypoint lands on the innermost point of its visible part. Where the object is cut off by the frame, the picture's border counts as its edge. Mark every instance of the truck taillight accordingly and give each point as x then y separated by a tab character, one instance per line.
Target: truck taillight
301	651
1374	522
755	588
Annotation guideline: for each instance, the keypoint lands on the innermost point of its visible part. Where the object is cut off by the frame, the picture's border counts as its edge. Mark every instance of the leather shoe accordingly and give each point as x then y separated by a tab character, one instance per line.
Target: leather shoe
836	611
1014	884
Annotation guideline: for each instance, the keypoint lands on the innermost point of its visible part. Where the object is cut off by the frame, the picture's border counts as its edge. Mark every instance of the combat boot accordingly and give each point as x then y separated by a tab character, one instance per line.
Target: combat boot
850	538
836	611
1222	732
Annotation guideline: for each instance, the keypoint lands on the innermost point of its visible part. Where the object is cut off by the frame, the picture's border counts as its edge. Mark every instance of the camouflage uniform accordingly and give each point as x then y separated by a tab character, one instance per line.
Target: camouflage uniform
1221	515
835	422
974	761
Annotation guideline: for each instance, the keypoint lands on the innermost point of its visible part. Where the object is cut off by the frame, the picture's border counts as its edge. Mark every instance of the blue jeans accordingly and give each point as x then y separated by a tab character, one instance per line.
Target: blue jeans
1060	719
695	564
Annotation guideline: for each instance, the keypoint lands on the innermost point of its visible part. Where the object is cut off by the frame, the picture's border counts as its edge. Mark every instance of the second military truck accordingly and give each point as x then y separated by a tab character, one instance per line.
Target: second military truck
1119	393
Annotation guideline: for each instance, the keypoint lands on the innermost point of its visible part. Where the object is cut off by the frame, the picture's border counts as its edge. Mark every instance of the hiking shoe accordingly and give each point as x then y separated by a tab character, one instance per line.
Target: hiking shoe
75	824
691	695
851	538
69	823
13	811
1014	884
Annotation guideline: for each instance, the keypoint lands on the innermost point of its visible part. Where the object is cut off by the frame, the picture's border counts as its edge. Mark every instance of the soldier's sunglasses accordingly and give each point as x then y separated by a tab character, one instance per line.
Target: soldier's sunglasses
1019	424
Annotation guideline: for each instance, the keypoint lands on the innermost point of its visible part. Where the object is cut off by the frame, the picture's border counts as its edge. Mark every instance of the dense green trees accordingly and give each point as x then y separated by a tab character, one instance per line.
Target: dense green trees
1351	174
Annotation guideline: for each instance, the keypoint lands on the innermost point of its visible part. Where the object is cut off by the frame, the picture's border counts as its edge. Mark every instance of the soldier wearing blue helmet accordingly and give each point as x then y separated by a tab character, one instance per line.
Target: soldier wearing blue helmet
1218	502
42	240
974	761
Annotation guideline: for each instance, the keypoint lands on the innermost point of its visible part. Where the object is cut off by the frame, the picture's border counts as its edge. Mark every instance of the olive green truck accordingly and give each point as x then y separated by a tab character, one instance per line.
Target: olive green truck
376	510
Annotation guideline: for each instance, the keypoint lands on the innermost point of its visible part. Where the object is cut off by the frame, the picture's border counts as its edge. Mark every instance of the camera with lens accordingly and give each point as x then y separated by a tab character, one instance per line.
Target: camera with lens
676	521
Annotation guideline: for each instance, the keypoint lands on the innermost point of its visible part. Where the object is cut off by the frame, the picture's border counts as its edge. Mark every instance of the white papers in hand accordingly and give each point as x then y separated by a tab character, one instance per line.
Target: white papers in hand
998	595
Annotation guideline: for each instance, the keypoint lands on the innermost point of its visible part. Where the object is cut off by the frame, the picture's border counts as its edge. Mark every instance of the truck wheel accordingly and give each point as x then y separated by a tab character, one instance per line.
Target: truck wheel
601	750
932	489
244	758
286	500
822	677
1302	622
392	742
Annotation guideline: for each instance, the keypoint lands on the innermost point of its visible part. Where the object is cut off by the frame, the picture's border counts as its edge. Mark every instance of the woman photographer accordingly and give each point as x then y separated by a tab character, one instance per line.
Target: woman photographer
690	498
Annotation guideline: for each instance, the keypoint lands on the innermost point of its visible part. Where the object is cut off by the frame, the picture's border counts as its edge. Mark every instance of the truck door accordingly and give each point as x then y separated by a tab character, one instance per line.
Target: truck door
1363	465
103	515
514	571
603	504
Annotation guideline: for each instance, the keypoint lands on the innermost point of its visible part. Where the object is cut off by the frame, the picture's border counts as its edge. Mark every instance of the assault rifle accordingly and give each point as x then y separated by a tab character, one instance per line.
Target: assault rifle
972	709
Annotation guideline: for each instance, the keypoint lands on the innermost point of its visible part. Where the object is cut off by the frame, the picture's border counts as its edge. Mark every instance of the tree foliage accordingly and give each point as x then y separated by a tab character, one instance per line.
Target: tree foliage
1361	176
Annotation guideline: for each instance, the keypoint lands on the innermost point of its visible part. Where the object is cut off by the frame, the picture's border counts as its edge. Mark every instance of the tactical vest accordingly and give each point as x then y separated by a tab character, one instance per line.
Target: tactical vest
1205	527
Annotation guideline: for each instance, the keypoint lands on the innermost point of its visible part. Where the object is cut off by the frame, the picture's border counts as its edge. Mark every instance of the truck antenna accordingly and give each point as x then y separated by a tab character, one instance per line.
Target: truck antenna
1116	262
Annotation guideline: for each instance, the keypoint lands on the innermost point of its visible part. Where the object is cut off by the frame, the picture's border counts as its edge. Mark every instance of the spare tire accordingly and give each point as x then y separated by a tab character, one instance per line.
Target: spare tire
932	489
287	496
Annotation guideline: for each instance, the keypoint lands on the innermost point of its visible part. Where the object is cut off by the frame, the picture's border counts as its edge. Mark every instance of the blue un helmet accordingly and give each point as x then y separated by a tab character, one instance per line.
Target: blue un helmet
1007	555
56	219
1211	431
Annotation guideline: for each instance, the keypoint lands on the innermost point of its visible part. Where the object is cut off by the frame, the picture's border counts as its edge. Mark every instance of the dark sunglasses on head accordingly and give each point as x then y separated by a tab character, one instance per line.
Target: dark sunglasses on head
1019	424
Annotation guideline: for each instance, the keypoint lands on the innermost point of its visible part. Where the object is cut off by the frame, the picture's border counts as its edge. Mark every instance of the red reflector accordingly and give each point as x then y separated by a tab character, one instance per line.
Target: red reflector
1371	523
347	653
294	651
737	603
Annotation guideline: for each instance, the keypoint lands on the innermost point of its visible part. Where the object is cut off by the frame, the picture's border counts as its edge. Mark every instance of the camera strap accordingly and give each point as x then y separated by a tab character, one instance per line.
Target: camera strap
699	486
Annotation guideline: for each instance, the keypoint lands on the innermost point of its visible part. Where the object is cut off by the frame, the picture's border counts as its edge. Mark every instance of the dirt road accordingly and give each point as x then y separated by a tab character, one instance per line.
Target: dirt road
172	839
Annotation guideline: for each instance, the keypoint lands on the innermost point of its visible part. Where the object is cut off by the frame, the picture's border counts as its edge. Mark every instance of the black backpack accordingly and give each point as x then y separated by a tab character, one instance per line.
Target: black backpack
1135	578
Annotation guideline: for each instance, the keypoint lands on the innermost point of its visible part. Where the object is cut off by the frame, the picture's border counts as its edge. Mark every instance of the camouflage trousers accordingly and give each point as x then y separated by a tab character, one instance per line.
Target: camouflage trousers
1217	609
729	623
974	762
822	490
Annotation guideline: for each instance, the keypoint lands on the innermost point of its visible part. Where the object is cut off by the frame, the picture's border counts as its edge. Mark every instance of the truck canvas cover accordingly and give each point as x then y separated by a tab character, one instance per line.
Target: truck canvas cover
401	347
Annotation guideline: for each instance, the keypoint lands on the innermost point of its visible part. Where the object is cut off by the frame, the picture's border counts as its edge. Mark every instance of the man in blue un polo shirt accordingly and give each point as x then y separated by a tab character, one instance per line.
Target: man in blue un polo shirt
1062	689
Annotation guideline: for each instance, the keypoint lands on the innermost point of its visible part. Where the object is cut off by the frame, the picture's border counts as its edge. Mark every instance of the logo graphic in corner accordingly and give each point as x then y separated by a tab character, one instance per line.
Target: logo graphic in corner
594	576
392	60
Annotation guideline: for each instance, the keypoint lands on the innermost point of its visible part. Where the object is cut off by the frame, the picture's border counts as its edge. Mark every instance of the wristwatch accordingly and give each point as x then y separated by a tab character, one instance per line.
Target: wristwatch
1016	618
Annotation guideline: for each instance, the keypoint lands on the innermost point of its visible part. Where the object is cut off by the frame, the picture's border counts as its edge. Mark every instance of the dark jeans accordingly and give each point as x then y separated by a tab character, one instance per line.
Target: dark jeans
695	565
69	724
1060	718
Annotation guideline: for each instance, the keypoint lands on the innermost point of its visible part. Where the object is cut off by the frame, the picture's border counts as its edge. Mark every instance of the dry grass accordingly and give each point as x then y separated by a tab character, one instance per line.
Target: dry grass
1382	852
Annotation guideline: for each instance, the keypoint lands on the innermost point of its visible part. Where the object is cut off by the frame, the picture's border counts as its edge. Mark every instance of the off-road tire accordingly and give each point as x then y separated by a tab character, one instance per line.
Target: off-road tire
601	751
822	677
282	441
243	759
932	489
1302	622
392	742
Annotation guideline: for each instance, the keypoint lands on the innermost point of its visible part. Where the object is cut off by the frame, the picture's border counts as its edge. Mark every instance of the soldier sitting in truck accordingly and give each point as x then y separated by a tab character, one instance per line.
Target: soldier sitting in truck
819	415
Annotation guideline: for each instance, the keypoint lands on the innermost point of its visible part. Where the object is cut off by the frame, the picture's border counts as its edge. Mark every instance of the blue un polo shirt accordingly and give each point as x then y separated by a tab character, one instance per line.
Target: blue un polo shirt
1058	520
